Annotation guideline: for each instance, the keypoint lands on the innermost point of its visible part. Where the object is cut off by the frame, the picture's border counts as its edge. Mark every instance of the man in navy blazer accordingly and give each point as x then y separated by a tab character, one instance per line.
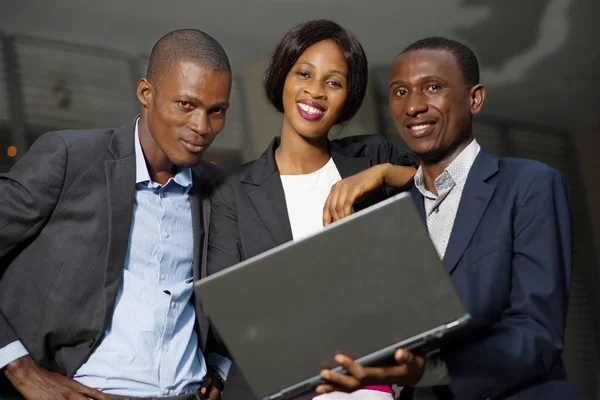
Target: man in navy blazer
503	230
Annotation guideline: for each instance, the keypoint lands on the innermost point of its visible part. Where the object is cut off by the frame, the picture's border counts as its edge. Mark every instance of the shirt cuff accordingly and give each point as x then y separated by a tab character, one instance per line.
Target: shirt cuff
223	363
435	374
11	352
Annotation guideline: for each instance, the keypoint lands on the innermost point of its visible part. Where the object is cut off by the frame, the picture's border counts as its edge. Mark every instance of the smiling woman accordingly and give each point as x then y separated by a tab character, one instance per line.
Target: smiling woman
317	78
315	91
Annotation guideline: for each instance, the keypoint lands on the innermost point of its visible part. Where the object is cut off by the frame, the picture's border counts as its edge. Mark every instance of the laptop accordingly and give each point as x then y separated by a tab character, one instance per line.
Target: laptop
363	286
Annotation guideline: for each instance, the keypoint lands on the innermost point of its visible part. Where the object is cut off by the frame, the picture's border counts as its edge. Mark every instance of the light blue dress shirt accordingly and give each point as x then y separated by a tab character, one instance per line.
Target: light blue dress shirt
150	347
11	352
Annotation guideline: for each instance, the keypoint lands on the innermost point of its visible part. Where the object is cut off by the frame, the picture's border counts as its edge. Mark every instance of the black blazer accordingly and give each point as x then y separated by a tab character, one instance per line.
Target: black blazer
249	214
65	214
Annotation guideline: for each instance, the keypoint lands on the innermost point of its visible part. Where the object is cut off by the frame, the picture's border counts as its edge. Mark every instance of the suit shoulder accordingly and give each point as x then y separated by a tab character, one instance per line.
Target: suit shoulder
524	177
235	174
526	169
73	141
355	142
86	138
375	147
207	170
529	179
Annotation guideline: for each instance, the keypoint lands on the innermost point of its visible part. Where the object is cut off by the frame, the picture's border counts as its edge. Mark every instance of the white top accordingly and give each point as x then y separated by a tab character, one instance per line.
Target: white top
305	197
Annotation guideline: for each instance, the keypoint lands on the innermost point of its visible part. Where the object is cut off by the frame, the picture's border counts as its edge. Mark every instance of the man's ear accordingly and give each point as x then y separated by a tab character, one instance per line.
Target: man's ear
477	96
145	92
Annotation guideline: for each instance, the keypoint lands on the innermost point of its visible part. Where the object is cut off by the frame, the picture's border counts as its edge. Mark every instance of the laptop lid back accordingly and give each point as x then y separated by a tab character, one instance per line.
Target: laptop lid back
356	287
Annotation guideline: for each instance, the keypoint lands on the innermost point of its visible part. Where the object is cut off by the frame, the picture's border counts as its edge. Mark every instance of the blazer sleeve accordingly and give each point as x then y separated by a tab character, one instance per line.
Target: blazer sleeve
224	249
389	153
527	341
224	242
29	193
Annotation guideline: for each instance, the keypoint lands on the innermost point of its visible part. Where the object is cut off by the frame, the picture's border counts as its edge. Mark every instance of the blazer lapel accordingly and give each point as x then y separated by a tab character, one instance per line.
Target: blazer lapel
200	206
267	195
269	198
198	231
269	201
418	199
120	182
475	199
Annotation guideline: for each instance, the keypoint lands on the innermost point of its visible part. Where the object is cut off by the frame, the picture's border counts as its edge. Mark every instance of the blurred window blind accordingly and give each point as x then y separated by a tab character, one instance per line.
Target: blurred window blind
490	138
232	135
6	162
140	68
226	150
4	105
581	354
73	87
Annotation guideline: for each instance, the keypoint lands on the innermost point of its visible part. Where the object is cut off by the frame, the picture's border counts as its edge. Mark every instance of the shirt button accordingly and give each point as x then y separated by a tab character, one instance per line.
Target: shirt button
166	234
166	348
172	304
166	391
163	276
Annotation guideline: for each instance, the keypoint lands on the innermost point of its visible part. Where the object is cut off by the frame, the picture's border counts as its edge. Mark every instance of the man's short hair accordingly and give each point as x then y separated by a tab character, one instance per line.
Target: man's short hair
301	37
186	45
466	59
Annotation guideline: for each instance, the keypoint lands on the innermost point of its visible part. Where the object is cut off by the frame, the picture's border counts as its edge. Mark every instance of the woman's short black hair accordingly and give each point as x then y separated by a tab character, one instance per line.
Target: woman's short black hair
301	37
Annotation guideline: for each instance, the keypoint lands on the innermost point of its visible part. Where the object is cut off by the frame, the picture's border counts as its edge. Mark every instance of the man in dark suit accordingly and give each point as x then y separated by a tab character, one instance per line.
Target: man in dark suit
104	232
502	228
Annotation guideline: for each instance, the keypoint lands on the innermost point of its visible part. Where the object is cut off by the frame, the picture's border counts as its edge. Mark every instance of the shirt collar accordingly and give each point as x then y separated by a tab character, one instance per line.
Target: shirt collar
458	170
183	177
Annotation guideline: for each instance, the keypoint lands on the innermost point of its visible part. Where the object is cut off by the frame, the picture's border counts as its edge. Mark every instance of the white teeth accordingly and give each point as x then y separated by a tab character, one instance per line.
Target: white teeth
419	127
309	109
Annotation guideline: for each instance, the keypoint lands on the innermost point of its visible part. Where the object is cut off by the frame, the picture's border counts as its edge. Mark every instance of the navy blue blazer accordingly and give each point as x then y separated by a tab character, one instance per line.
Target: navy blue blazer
509	256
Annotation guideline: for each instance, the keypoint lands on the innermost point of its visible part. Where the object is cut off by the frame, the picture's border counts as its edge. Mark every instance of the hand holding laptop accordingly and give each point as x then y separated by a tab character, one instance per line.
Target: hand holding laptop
408	370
